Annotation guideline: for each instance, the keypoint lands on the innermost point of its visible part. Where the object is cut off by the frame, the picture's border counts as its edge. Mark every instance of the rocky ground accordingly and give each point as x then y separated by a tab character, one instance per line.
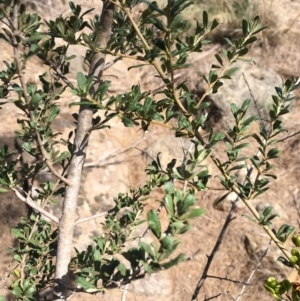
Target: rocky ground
118	156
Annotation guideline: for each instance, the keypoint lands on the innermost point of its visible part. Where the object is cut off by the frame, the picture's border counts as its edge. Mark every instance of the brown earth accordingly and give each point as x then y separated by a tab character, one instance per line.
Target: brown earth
114	160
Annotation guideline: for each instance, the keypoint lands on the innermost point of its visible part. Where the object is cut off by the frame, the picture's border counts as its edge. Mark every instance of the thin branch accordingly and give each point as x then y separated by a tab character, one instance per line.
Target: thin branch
60	74
214	251
185	158
14	24
97	215
124	292
253	272
114	154
33	205
254	100
115	60
288	137
213	297
48	162
227	279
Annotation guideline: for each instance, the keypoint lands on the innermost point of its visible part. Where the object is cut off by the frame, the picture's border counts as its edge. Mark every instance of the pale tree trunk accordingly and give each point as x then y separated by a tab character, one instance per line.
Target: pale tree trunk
66	224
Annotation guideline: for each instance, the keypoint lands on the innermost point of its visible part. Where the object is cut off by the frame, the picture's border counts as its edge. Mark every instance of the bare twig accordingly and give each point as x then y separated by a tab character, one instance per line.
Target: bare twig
48	162
124	292
114	154
289	136
252	273
213	297
33	205
115	60
254	100
59	74
97	215
210	258
227	279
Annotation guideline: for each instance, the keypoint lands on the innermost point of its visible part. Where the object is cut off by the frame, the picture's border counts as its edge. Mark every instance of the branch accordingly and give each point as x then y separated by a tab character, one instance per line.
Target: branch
254	100
290	136
124	292
213	297
33	205
14	25
59	74
227	279
214	251
48	162
253	272
155	62
67	220
114	154
85	219
115	60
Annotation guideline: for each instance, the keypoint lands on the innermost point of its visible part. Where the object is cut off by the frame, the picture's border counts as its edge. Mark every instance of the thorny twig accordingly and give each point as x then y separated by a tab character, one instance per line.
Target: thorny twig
210	257
254	100
252	273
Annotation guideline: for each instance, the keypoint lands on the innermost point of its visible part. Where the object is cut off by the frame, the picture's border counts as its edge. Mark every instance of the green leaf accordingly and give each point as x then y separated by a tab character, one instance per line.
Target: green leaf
167	243
245	26
205	19
230	72
219	59
169	188
229	42
175	261
121	267
220	200
30	290
81	80
137	66
259	29
17	291
267	211
250	40
154	223
234	109
285	262
195	213
127	122
241	166
88	287
147	249
185	204
273	153
17	257
153	6
261	191
169	204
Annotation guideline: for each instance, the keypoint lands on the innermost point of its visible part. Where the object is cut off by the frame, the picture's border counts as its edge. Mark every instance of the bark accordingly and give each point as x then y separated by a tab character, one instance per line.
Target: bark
67	220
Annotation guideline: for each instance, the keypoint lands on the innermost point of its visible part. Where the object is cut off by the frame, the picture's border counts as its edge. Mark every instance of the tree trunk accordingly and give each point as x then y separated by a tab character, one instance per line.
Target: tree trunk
66	225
